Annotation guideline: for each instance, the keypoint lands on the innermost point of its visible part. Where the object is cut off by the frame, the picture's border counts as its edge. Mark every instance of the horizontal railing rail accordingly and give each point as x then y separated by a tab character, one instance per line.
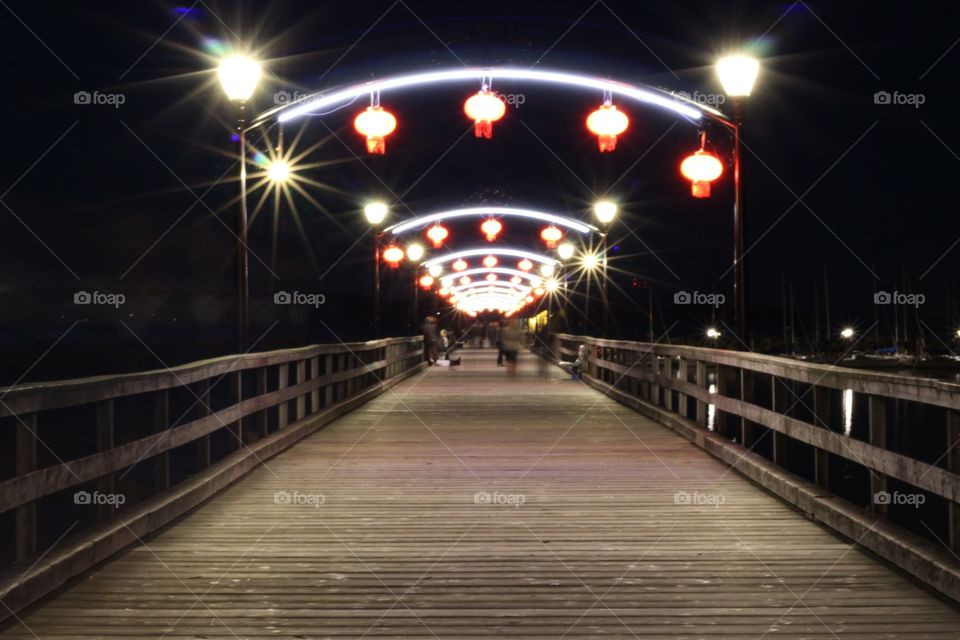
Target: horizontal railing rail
89	455
885	443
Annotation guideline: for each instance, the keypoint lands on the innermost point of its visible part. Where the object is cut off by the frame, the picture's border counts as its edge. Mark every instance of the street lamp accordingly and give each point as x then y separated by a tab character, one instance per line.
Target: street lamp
239	76
565	251
605	211
278	171
846	333
376	213
737	74
712	333
415	253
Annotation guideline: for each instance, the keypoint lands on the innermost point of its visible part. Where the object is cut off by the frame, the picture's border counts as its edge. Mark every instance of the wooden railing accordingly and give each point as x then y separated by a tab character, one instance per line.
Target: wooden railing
91	465
874	455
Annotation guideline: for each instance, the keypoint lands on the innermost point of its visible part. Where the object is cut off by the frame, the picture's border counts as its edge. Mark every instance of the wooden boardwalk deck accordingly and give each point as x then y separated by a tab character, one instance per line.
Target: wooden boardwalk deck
463	503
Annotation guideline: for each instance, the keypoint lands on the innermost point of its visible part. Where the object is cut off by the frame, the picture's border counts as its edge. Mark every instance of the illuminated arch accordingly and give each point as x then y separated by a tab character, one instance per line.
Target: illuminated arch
490	251
505	271
421	222
486	286
326	100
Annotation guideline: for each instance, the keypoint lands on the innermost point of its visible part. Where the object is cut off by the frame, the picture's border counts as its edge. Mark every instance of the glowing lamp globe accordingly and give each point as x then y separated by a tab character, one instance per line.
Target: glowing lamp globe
565	251
444	292
490	261
516	279
547	270
607	123
460	265
238	77
278	171
713	333
551	235
437	234
605	211
393	255
435	270
376	124
375	212
525	265
426	282
415	252
491	277
465	280
484	108
538	291
529	299
701	168
737	74
491	228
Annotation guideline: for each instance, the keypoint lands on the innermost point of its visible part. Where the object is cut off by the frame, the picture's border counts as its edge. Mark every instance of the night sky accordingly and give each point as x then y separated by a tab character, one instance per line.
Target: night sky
138	198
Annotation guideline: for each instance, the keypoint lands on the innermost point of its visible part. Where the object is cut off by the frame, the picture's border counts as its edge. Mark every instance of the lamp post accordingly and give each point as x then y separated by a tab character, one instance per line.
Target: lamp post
376	213
415	254
738	73
605	211
238	77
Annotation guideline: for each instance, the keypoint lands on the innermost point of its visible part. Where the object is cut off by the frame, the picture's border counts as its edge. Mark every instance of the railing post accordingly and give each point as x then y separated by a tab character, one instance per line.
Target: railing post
877	419
283	409
682	377
721	421
261	421
747	390
235	441
821	458
953	466
701	375
315	394
781	404
203	409
328	390
26	461
302	398
106	484
161	422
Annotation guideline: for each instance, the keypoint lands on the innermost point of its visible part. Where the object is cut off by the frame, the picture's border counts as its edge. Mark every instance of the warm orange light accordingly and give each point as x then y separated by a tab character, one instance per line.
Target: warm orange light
538	291
437	234
465	280
375	123
529	298
607	123
460	265
490	261
393	255
525	265
516	279
484	108
426	282
551	235
701	168
491	277
444	292
491	228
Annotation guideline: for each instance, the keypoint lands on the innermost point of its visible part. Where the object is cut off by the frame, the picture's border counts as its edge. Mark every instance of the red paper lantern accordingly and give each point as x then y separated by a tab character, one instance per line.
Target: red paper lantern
460	264
393	255
490	261
426	282
525	265
375	123
491	228
701	168
551	235
484	108
437	234
607	123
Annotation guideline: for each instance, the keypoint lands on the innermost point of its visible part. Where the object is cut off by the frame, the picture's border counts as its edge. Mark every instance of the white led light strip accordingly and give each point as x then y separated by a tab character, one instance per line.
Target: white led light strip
423	221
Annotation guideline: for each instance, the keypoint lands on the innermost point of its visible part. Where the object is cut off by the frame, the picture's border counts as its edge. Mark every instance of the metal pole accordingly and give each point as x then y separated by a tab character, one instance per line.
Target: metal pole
604	290
243	267
739	277
416	301
376	284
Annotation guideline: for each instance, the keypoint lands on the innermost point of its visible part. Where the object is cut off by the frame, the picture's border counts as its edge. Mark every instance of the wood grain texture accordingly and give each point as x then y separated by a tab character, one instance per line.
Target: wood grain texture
463	503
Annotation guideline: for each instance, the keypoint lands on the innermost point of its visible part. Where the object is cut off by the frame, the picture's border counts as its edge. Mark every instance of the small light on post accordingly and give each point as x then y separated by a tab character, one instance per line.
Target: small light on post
278	171
565	251
415	252
238	77
376	212
590	261
846	333
605	211
712	333
738	73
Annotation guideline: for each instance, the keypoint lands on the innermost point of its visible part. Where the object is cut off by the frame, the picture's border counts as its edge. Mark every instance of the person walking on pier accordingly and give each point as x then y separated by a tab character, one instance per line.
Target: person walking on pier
430	339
